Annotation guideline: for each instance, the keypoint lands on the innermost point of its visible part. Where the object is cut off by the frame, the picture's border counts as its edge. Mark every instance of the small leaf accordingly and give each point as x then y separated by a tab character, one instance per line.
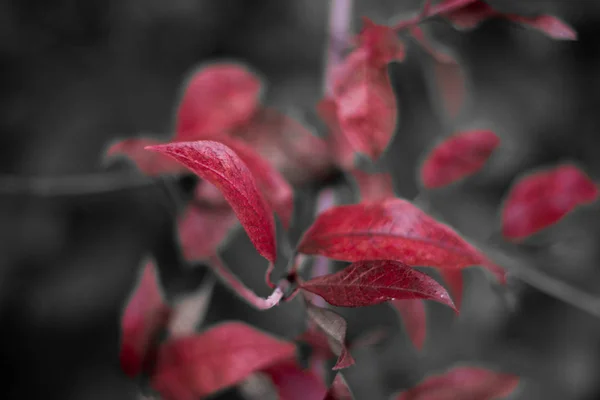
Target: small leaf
414	318
151	164
218	98
334	326
454	281
366	104
339	389
547	24
543	198
392	229
218	358
381	42
145	316
338	142
367	283
373	187
222	167
457	157
295	383
463	383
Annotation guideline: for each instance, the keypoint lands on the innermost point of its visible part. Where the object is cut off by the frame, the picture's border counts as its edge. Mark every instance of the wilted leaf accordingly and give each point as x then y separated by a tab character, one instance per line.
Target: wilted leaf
414	317
366	104
457	157
218	98
151	164
374	187
367	283
334	326
295	383
340	147
145	316
463	383
541	199
216	359
392	229
339	389
222	167
381	42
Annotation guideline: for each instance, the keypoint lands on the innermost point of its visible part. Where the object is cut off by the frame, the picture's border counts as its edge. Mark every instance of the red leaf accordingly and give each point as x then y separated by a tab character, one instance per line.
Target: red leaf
216	359
543	198
381	42
374	187
366	104
318	340
276	190
334	326
454	281
339	389
151	164
366	283
294	383
393	229
340	146
221	166
414	318
457	157
547	24
145	316
470	15
463	383
218	98
203	230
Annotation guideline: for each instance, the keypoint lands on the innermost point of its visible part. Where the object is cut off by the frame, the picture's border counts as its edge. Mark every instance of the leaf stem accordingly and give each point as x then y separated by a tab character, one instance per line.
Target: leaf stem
432	11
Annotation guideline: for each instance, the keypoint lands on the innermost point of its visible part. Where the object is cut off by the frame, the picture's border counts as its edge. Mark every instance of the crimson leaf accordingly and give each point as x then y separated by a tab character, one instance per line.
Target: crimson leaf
454	281
457	157
542	198
222	167
471	383
339	389
414	317
341	148
295	383
220	357
391	229
381	42
373	187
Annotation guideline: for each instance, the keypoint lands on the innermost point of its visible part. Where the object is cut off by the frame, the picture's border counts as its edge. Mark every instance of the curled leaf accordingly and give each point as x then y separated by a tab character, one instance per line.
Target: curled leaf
222	167
145	316
391	229
413	316
151	164
218	98
367	283
463	383
543	198
218	358
457	157
339	389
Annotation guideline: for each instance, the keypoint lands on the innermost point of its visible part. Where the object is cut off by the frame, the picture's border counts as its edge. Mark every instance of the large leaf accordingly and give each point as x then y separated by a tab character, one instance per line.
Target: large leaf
414	318
392	229
542	198
295	383
339	389
220	357
217	99
145	316
457	157
463	383
222	167
367	283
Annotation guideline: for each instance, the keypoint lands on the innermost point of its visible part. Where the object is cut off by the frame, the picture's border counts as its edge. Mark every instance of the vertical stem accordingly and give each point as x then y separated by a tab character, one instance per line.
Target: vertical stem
340	19
320	267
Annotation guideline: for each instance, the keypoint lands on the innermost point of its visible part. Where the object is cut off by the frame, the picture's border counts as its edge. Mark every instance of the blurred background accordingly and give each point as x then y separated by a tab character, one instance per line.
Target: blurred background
77	75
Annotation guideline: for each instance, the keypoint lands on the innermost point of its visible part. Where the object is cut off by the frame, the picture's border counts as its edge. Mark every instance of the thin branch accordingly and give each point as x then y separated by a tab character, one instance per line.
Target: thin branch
432	11
340	18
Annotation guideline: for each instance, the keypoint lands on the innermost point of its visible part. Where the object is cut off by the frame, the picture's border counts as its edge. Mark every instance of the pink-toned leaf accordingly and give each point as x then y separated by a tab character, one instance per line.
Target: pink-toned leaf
374	187
339	389
381	42
220	357
151	164
470	15
222	167
454	281
542	198
276	190
145	316
340	146
366	283
218	98
457	157
392	229
471	383
295	383
547	24
334	326
414	318
366	104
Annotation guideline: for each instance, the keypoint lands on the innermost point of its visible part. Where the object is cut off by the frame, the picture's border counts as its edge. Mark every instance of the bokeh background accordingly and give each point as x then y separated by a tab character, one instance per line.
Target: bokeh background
77	75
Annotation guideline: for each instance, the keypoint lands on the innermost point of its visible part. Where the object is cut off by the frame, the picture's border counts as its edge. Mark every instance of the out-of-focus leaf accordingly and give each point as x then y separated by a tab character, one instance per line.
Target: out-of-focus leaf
457	157
454	281
295	383
414	318
373	187
339	389
392	229
151	164
542	198
338	142
381	42
213	360
367	283
222	167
